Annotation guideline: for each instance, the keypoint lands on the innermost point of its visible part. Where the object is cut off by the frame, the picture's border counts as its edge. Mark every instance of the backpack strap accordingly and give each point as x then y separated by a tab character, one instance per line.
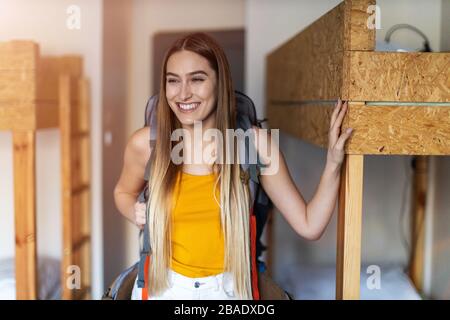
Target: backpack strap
144	253
144	234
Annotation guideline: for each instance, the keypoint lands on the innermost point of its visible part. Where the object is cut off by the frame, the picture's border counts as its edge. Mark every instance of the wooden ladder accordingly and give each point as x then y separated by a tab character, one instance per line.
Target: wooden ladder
76	187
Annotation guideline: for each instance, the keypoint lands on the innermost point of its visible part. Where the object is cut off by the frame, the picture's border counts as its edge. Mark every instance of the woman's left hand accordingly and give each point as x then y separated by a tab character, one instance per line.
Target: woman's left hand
336	140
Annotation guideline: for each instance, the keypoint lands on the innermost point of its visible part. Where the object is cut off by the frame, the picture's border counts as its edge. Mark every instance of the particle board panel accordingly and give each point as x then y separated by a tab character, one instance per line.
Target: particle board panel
309	122
398	76
358	35
378	130
402	130
311	65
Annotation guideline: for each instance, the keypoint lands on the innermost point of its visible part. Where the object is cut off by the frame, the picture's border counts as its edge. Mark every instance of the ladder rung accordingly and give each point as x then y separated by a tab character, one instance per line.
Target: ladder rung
81	293
77	245
80	134
80	188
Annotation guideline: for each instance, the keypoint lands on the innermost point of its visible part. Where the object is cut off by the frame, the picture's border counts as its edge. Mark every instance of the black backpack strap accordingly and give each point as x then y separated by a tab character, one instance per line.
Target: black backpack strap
144	234
145	251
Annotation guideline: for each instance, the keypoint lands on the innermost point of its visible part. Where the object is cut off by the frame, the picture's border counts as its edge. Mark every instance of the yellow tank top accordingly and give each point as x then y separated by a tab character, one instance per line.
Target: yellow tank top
197	237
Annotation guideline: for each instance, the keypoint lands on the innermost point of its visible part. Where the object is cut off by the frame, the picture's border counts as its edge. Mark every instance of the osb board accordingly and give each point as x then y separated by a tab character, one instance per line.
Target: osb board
377	129
409	130
309	122
18	55
309	65
358	36
398	76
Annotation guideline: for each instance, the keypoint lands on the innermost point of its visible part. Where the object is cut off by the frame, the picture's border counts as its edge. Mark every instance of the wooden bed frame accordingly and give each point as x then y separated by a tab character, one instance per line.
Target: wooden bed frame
48	92
398	104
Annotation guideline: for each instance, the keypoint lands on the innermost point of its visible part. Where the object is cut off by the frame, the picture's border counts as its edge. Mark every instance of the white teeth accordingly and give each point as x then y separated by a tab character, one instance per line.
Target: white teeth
188	106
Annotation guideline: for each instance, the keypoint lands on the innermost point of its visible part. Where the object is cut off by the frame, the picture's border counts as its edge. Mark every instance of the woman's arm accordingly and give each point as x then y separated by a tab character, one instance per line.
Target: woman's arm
309	220
131	181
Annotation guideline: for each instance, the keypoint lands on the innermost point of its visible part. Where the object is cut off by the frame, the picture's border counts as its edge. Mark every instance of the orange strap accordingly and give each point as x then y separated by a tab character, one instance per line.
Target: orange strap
253	259
145	288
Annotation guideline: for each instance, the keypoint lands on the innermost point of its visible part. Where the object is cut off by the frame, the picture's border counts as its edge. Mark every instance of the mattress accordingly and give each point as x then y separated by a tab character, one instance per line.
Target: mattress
48	274
318	283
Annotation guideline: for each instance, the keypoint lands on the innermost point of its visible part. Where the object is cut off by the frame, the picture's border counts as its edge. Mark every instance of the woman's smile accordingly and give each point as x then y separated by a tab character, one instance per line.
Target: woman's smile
188	107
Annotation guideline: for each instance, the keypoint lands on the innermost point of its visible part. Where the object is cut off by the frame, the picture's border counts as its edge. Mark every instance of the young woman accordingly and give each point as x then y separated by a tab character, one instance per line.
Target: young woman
199	211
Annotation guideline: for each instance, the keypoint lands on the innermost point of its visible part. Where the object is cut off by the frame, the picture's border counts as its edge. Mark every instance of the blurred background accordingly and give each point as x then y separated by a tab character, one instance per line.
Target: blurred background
122	44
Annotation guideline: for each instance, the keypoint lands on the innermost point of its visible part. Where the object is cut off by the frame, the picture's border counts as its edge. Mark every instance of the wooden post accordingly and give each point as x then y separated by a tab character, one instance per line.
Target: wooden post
66	180
24	143
418	221
348	261
85	127
75	174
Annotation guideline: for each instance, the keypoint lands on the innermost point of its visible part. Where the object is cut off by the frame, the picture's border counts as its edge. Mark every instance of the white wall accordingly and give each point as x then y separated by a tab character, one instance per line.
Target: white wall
384	176
424	15
445	26
150	17
44	21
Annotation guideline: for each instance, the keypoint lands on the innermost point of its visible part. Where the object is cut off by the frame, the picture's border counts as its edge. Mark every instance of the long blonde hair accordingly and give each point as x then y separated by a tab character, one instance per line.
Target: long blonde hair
234	195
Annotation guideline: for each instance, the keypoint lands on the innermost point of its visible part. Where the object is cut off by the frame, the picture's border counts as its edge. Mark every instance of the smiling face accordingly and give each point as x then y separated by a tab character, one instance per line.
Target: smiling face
191	88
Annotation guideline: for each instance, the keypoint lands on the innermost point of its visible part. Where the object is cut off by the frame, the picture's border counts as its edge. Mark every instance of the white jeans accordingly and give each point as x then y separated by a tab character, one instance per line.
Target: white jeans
216	287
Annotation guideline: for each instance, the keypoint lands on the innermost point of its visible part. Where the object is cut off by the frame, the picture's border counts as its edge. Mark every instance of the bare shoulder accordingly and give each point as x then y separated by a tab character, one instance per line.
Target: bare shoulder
138	145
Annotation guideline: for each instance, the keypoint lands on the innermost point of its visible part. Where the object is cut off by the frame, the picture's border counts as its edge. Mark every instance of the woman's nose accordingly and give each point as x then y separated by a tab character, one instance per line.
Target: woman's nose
185	91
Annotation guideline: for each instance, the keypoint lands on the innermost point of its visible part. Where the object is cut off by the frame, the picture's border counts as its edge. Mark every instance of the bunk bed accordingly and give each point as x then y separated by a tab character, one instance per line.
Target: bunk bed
38	92
398	105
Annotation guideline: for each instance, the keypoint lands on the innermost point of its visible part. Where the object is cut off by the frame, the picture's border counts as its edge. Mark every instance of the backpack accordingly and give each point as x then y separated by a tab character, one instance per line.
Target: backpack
262	285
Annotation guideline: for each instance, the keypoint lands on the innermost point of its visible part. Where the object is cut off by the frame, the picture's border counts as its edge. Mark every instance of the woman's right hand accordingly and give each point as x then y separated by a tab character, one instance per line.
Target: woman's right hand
140	214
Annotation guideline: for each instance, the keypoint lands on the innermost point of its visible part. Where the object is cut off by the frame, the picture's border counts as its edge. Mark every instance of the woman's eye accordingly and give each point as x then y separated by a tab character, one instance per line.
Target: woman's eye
194	79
